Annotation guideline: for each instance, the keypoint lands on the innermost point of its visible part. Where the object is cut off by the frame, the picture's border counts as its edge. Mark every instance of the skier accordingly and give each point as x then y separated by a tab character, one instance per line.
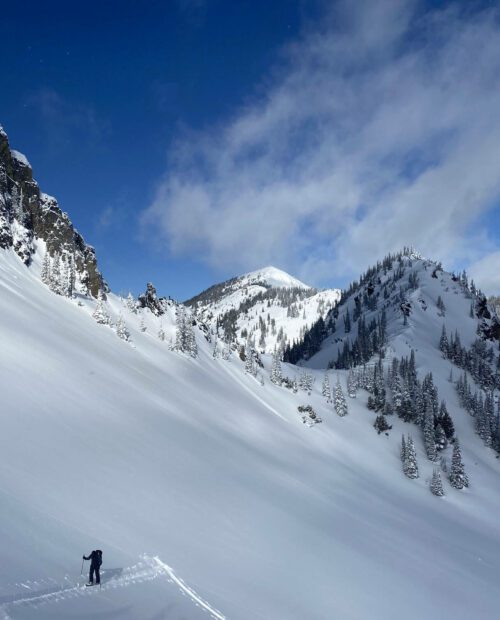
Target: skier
95	564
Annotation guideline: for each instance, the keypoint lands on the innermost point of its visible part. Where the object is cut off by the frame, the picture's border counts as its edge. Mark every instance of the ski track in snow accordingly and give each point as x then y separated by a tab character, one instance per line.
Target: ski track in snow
45	591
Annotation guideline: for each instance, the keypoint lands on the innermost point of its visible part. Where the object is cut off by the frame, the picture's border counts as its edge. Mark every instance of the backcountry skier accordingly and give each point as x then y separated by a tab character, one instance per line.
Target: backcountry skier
95	564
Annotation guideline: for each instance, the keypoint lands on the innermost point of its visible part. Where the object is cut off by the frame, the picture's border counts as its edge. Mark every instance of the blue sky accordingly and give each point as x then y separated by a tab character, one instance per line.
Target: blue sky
192	140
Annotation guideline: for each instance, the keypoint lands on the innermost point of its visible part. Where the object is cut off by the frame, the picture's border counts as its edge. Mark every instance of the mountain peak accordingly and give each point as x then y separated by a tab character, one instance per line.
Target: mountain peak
274	277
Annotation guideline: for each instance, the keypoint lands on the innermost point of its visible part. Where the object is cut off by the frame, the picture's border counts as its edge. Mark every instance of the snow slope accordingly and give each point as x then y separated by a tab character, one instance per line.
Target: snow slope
286	305
146	453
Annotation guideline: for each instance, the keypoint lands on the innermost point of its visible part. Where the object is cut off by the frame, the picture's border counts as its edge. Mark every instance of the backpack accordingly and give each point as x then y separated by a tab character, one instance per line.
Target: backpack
99	557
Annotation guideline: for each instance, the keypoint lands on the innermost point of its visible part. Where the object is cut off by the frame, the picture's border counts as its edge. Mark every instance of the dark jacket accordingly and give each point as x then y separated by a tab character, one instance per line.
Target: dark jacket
95	557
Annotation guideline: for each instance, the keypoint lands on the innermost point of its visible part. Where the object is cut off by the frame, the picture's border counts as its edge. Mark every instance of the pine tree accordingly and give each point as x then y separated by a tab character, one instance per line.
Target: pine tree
436	485
339	402
440	437
249	363
441	306
131	304
121	329
325	389
428	429
443	343
55	274
381	425
161	333
71	276
45	273
100	313
458	477
410	465
276	375
352	384
142	326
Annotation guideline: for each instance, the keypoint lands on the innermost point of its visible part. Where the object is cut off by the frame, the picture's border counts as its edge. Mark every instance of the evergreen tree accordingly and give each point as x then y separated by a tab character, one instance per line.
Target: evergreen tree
121	329
428	429
100	313
352	384
458	477
325	389
249	363
131	304
381	425
441	306
436	484
142	326
45	273
71	277
440	437
340	403
55	275
410	465
161	333
443	342
276	374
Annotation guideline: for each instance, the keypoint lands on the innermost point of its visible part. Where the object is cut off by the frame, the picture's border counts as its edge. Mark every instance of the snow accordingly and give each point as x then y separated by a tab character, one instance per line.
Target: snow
22	159
273	277
208	495
247	289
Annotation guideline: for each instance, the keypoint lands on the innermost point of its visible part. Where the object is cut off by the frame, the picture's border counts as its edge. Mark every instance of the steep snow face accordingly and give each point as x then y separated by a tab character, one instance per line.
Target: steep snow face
268	306
241	509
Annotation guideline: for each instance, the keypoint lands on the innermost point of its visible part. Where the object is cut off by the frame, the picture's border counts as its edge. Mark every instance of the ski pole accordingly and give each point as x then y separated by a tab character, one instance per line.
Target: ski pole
81	572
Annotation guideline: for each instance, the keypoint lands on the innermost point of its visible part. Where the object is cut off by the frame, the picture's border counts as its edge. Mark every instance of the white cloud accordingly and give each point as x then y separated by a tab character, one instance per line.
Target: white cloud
486	273
381	130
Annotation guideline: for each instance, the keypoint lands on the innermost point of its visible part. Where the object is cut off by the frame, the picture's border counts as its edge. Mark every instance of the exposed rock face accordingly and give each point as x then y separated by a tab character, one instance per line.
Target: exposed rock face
27	214
150	300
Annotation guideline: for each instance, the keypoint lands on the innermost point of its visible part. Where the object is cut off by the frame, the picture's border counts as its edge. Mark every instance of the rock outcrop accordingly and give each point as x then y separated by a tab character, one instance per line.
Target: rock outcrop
28	215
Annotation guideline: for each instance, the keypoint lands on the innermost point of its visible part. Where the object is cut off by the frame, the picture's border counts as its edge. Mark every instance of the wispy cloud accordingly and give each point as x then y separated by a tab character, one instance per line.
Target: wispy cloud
381	128
66	122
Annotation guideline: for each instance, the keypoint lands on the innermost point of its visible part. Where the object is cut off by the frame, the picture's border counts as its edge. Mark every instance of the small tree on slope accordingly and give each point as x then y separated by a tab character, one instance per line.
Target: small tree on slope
121	329
100	314
409	458
340	403
436	485
458	477
325	389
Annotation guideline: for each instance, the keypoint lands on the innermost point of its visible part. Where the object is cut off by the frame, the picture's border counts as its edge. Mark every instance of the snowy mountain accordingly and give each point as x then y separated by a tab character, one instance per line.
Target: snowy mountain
223	484
269	307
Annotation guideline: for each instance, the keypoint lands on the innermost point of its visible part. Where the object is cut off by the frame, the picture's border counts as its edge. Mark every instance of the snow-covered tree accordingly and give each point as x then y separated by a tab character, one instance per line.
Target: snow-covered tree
249	361
121	329
100	313
185	340
409	457
45	273
441	306
131	303
458	477
428	430
326	390
306	381
352	384
339	401
142	326
381	425
436	485
276	374
161	332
